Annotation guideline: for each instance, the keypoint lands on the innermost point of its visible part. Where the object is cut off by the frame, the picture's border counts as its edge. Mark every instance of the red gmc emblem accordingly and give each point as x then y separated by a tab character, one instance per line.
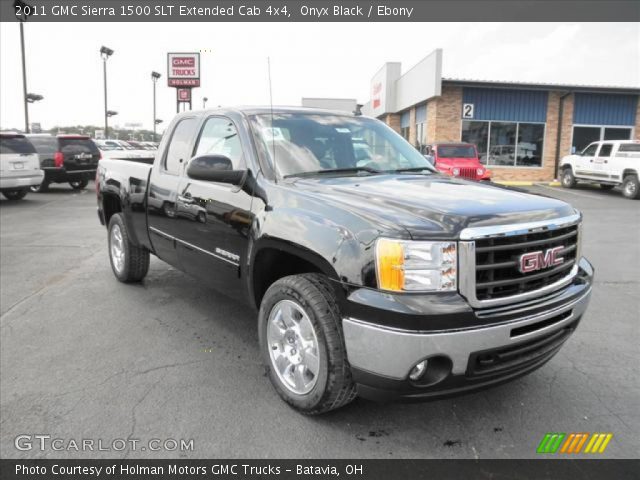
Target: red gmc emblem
532	261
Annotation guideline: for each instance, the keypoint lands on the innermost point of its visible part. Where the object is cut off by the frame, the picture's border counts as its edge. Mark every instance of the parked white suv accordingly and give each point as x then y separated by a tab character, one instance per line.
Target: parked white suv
609	163
19	166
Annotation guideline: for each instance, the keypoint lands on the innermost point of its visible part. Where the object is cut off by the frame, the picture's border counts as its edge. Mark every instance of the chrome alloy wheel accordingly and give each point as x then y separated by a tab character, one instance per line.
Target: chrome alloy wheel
117	248
293	347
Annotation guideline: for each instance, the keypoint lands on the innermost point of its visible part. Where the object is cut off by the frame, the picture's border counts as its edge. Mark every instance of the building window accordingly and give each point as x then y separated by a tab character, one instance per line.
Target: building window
478	134
509	144
583	135
404	131
421	135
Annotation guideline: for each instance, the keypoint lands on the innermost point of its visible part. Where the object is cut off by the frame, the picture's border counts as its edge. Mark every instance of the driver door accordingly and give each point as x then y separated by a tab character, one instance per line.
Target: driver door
584	163
214	218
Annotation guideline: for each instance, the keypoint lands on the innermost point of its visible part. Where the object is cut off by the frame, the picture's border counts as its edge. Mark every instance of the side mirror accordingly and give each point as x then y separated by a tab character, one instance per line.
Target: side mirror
214	168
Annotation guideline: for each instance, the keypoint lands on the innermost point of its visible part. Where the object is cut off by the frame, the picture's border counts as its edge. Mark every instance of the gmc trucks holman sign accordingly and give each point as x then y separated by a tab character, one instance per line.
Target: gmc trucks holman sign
183	69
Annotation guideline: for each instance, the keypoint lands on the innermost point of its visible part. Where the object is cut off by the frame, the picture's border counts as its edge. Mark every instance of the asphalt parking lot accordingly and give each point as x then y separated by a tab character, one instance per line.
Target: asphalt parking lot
84	356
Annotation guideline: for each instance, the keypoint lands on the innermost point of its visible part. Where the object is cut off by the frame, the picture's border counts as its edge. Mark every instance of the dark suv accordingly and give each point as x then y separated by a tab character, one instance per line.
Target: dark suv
69	159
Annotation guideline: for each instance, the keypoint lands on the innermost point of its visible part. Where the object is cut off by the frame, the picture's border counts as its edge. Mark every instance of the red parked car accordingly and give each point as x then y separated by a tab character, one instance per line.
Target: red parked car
458	160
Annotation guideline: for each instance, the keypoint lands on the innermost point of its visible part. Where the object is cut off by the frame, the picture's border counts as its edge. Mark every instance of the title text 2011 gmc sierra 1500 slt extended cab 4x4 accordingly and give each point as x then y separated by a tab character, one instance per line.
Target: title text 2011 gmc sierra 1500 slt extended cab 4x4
372	276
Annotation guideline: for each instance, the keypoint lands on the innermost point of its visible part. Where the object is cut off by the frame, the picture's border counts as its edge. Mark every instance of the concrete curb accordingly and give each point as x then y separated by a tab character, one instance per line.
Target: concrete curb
553	183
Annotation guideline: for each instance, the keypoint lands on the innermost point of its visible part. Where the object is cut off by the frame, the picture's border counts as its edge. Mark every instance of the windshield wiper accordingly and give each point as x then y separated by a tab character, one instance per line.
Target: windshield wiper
412	169
334	170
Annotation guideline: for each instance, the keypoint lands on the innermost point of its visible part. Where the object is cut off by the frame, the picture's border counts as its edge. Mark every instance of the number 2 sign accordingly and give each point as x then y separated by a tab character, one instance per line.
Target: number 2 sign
467	110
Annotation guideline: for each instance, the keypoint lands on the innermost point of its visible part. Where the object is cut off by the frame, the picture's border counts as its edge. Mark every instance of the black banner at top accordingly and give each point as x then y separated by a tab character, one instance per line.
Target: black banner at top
319	10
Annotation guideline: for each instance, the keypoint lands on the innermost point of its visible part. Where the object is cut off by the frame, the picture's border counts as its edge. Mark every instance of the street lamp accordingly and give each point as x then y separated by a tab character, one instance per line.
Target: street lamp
154	78
33	97
204	103
105	53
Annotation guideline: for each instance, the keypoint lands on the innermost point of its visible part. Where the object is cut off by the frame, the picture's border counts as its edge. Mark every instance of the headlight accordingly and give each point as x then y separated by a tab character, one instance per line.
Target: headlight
480	171
408	266
456	171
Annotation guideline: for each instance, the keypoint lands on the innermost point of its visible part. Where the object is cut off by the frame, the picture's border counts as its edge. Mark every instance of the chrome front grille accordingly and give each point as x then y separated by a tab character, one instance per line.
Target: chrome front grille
489	273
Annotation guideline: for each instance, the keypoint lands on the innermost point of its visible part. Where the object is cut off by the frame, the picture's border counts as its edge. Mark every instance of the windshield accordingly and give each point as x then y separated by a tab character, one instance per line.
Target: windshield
456	151
307	143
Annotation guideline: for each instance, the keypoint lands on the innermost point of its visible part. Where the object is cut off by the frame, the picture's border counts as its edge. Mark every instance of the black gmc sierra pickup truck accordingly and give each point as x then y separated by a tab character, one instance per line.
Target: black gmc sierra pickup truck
372	274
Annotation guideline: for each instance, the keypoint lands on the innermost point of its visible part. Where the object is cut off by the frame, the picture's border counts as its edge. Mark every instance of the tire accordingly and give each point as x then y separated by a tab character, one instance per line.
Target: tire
312	296
606	186
631	187
43	187
567	179
128	262
79	184
15	194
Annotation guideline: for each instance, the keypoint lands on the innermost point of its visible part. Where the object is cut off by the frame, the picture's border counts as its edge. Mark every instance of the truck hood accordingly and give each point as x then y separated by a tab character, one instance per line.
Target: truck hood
433	206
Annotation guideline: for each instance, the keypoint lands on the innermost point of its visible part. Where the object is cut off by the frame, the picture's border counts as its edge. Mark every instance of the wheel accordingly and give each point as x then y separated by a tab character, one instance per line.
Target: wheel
631	187
606	186
302	344
79	184
43	187
568	180
128	262
15	194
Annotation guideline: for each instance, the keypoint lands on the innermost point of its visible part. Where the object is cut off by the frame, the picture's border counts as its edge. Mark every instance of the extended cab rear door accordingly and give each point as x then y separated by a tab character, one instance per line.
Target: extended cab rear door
163	187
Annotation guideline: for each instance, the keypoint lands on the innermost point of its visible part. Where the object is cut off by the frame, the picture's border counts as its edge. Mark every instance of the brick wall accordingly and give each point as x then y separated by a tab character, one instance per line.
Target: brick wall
412	126
432	109
393	120
567	127
447	115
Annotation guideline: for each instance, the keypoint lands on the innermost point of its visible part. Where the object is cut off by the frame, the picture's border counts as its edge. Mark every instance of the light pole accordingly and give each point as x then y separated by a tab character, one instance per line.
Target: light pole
105	53
154	77
204	103
109	114
30	98
24	79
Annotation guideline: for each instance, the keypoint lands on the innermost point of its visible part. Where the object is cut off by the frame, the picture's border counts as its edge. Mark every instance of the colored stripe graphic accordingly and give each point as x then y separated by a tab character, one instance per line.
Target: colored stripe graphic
598	443
551	442
572	443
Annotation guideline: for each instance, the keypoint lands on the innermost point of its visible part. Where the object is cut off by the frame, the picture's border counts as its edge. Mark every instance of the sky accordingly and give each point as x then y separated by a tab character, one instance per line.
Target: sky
307	60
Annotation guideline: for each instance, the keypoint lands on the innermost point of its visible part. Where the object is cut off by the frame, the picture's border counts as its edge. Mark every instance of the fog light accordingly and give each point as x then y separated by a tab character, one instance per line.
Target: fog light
417	371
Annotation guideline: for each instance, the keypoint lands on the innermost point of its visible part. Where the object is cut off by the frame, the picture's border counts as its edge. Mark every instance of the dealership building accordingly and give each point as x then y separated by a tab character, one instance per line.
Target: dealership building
521	129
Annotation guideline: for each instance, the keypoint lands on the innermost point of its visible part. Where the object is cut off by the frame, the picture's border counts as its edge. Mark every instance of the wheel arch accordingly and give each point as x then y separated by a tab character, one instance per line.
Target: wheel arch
272	259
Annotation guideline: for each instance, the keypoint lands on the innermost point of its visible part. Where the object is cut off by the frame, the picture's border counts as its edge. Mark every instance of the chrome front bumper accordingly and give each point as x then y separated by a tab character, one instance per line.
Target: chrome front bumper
392	353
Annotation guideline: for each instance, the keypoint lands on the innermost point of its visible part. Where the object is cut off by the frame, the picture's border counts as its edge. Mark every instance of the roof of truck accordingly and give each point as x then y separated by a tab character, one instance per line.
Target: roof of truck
257	110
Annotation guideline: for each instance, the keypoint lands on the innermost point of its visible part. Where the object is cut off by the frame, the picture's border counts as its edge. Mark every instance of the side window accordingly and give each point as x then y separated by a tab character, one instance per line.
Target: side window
178	150
220	137
605	150
590	151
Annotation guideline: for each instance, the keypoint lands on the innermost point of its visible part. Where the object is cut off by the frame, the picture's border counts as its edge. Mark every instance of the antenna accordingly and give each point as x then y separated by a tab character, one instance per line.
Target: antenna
273	136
